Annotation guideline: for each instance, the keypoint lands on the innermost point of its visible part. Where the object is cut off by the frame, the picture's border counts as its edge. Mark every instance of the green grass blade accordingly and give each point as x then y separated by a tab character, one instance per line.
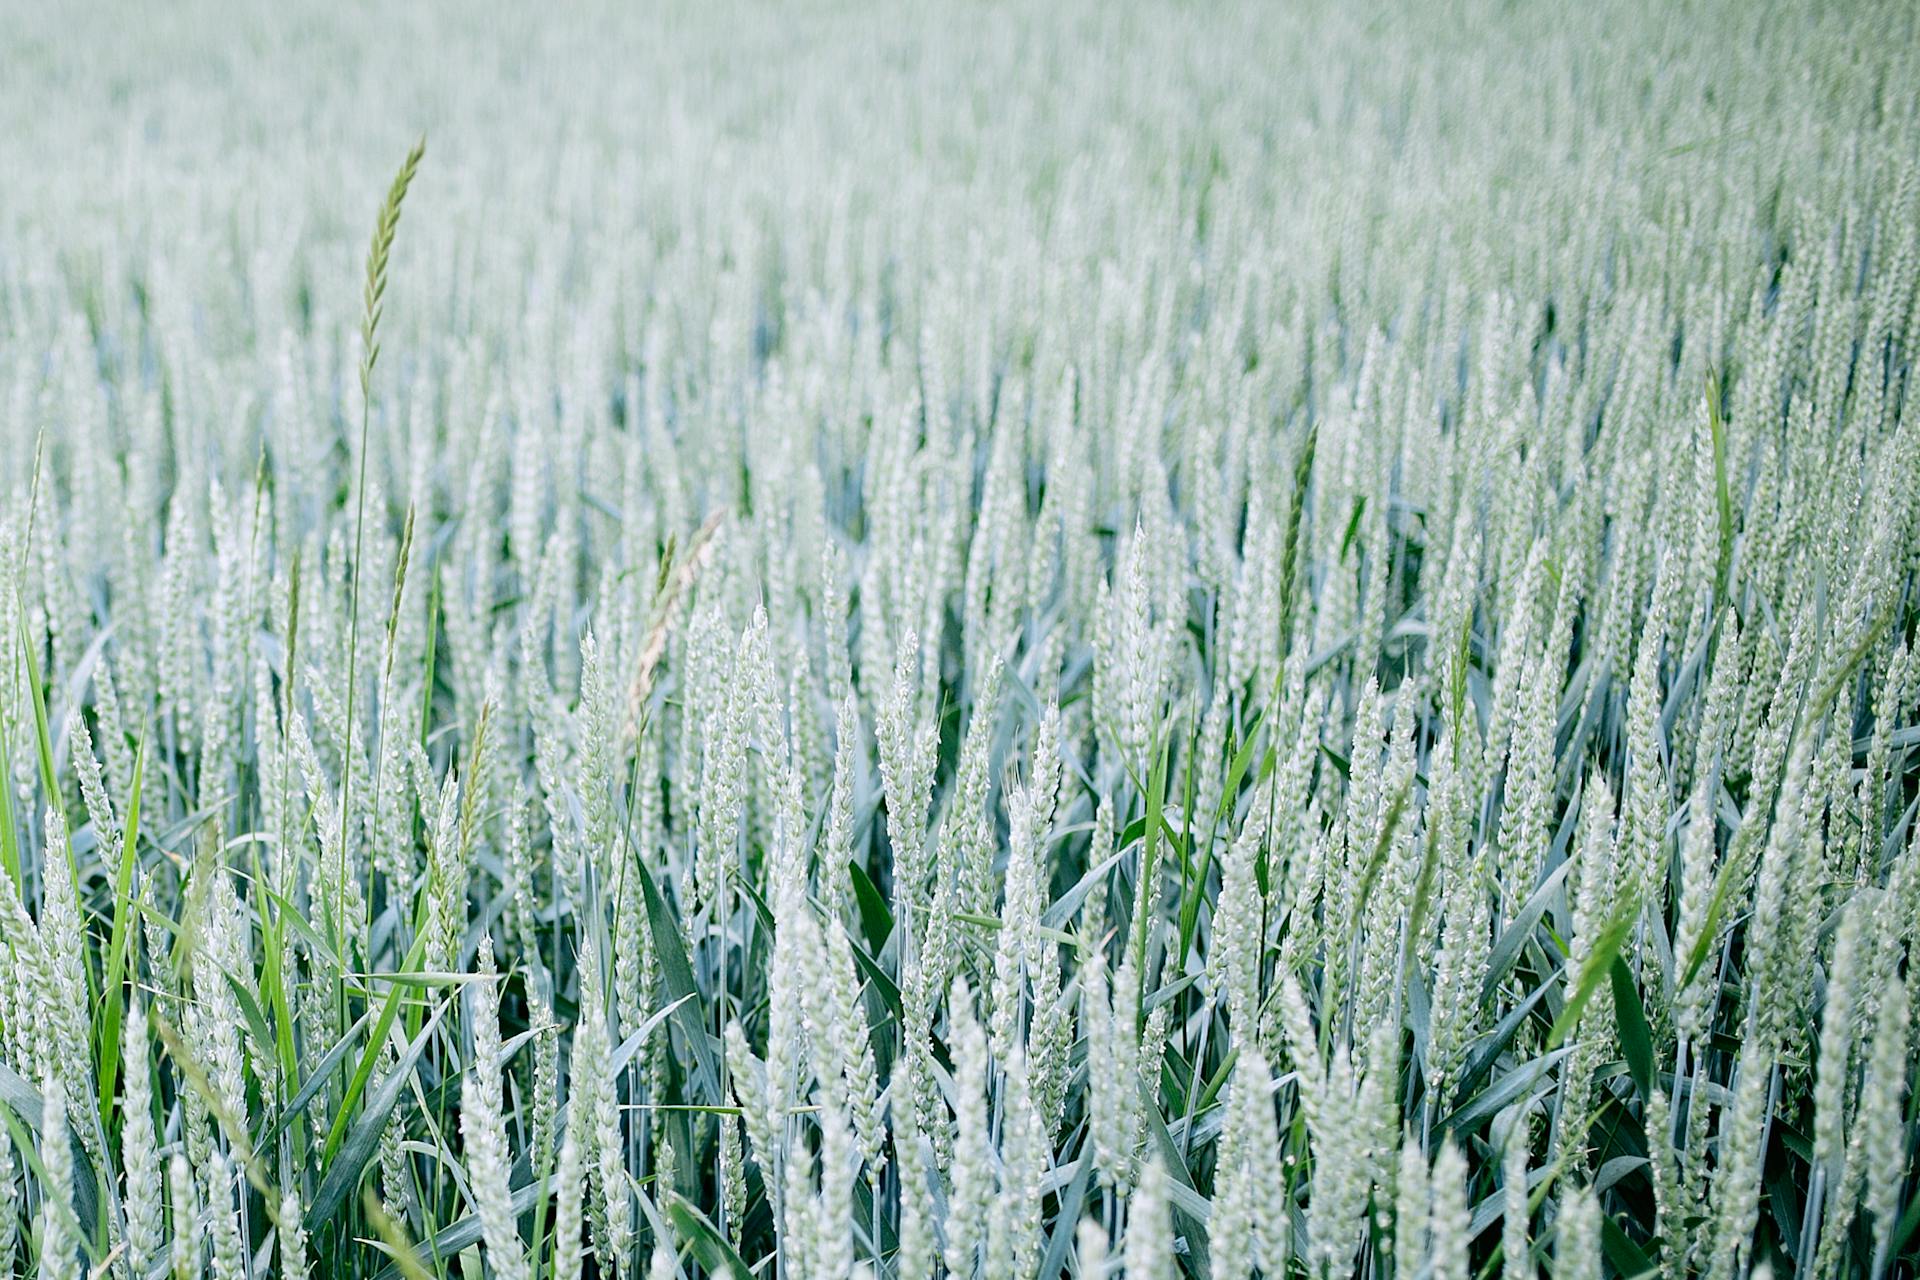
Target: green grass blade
347	1162
113	993
1636	1037
676	976
368	1058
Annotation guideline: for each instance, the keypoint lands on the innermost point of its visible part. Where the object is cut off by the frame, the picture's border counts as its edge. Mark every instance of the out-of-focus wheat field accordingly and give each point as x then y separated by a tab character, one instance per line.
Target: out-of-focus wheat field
959	640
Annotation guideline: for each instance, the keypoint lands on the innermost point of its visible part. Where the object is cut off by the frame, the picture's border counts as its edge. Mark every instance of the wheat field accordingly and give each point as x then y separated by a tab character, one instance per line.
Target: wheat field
990	640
